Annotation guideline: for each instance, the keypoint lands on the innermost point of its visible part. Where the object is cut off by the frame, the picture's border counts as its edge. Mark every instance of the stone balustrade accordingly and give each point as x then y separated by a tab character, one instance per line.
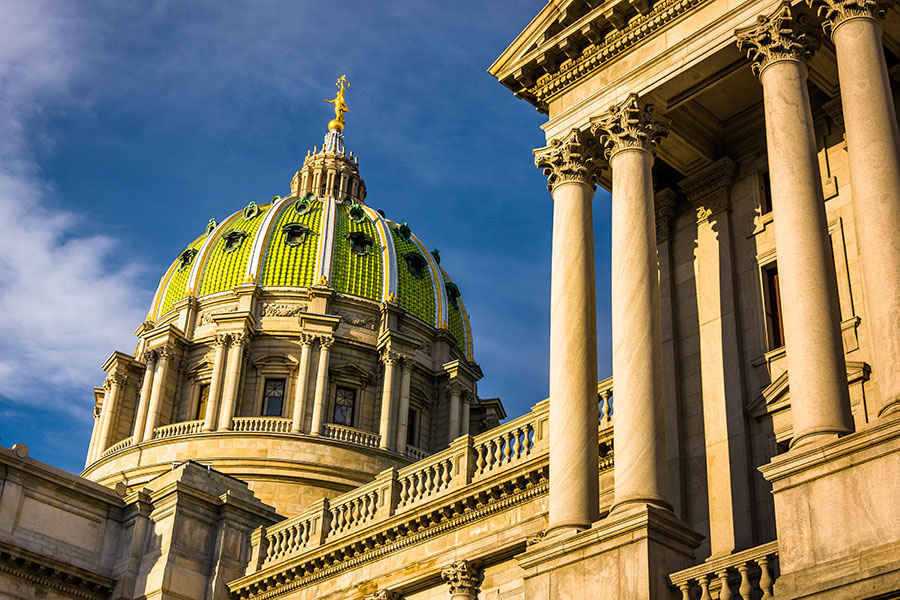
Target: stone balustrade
415	453
511	443
351	435
116	447
605	401
183	428
261	425
747	574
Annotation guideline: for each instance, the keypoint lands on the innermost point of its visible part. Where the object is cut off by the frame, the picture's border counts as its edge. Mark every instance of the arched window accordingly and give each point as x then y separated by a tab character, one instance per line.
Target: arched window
295	234
416	264
359	243
273	397
233	240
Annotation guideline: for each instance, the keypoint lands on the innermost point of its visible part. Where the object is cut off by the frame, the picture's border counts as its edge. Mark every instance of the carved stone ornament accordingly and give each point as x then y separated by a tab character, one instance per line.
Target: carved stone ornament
783	35
223	339
835	12
207	317
709	189
664	210
463	577
456	388
150	356
390	358
577	157
283	310
356	320
325	342
114	378
240	339
166	352
628	125
384	595
306	339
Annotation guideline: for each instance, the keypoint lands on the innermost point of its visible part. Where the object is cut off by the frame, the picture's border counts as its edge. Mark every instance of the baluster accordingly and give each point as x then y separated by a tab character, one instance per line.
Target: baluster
528	441
745	588
517	442
479	460
605	407
704	587
404	491
490	455
448	469
429	480
765	578
289	538
508	449
685	591
725	593
420	484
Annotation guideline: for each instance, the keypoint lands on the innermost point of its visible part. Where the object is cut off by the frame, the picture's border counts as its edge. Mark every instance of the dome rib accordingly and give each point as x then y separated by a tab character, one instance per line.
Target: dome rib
358	274
286	265
191	288
440	296
388	255
224	270
326	243
173	286
257	251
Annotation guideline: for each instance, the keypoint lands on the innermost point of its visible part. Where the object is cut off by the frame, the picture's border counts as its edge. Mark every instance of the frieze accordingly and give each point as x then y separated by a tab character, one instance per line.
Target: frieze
357	320
283	310
206	318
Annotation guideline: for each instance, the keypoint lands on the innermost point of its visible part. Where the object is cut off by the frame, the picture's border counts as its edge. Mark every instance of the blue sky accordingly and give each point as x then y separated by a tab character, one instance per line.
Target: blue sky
124	127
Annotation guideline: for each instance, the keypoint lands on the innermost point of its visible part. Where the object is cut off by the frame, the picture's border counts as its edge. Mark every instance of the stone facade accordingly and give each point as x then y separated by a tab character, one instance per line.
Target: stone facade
750	446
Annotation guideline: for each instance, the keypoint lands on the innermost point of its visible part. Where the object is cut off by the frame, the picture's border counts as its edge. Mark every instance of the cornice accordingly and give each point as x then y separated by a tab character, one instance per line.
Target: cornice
616	43
47	572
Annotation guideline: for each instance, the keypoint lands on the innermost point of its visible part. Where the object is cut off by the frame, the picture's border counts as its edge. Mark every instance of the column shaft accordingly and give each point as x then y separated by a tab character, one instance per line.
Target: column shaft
109	413
453	426
403	416
873	145
318	417
232	383
574	487
140	418
640	474
815	356
93	451
300	392
387	404
464	421
210	420
156	394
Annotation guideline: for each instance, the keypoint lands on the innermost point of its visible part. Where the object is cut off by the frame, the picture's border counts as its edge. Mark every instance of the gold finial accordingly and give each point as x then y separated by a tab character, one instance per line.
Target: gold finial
340	107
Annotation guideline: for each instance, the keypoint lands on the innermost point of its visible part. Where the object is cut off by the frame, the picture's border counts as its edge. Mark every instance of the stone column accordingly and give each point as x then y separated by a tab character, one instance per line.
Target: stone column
630	132
728	477
455	390
93	452
464	418
318	417
159	388
140	417
387	400
873	146
110	412
210	420
403	417
464	578
232	387
571	165
779	47
306	341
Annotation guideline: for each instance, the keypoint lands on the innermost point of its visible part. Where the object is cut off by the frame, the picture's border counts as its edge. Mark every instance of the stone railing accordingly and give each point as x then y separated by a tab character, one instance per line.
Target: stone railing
394	492
349	434
605	401
747	574
415	453
262	425
184	428
116	447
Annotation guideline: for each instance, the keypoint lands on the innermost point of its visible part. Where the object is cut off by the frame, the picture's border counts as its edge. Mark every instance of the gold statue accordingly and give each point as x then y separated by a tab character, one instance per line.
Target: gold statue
340	107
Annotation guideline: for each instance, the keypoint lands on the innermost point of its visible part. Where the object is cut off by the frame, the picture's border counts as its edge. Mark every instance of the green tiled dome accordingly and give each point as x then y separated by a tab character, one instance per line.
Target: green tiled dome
304	241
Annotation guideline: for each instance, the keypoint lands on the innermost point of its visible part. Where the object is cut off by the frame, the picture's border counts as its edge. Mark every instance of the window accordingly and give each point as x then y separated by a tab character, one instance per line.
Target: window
766	203
773	307
357	214
344	403
273	397
202	401
412	428
233	240
303	206
186	258
295	234
416	264
452	294
359	243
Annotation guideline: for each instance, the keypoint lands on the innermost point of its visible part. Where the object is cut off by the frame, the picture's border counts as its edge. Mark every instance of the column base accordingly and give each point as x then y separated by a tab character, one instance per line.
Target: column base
836	515
626	555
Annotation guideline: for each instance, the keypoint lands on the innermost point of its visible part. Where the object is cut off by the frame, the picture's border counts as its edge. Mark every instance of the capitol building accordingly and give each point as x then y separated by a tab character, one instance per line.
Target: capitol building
300	418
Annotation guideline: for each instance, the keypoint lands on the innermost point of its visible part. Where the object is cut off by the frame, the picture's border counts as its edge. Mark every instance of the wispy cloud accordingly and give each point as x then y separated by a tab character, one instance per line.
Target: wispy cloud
67	296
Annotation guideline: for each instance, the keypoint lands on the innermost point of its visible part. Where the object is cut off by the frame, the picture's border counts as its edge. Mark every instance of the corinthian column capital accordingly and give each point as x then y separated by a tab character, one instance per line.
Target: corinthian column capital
835	12
464	578
782	35
631	124
573	158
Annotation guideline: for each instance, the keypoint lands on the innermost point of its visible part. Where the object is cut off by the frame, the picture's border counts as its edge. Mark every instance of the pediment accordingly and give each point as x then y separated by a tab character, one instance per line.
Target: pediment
350	371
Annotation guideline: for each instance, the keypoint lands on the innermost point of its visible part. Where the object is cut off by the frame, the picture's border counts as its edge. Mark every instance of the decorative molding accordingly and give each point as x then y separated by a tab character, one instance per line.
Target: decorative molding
390	358
166	352
206	318
782	35
240	339
325	342
283	310
384	595
150	356
223	339
357	320
114	378
464	577
573	158
454	387
664	210
306	339
709	188
835	12
49	573
632	124
616	43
